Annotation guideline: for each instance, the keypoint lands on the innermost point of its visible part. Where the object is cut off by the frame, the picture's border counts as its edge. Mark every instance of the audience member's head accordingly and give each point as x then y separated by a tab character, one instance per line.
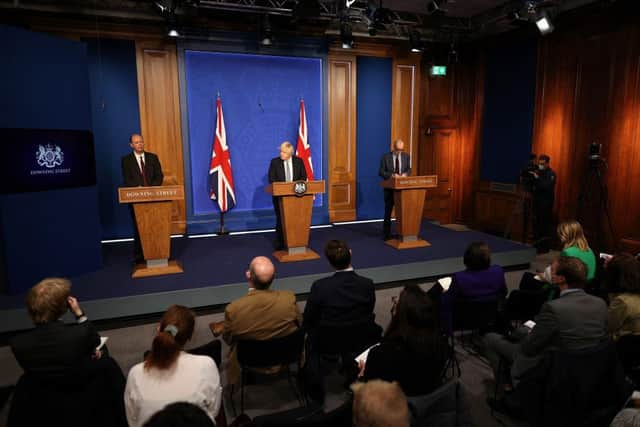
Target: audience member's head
398	145
286	150
378	403
543	161
261	273
47	300
623	274
415	319
571	235
338	254
477	256
568	272
176	328
180	414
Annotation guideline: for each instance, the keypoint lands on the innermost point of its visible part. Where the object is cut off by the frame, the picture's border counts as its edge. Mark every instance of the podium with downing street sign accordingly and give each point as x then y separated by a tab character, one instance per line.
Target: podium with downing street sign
408	197
152	207
295	201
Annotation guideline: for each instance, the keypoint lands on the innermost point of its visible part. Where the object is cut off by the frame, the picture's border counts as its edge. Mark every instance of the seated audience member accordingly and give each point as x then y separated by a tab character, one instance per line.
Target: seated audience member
379	404
180	414
413	351
574	321
338	302
574	244
479	281
623	275
63	370
262	314
168	374
343	298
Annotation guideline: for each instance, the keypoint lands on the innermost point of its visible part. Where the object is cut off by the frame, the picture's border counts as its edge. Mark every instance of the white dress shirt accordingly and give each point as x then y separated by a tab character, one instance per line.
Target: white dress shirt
288	164
193	379
139	159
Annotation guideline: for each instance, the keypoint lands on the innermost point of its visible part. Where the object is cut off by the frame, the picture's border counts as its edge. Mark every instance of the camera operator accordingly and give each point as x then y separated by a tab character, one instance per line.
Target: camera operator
543	197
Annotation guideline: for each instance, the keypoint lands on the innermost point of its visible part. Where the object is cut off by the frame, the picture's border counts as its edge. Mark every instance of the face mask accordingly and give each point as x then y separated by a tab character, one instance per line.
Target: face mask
541	167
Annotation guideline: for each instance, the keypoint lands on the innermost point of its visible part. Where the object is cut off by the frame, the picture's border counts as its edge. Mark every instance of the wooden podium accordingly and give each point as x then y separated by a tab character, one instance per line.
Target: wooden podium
295	201
408	196
152	206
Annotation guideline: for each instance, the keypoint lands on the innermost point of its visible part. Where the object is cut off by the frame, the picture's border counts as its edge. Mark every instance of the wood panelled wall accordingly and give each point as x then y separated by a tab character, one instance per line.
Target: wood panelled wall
341	174
449	136
588	89
159	97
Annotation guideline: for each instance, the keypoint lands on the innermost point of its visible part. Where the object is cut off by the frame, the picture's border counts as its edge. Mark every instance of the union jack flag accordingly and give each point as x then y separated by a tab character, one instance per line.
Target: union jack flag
220	175
303	149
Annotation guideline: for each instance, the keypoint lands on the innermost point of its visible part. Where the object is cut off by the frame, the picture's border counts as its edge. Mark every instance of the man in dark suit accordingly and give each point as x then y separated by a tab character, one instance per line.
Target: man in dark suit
140	168
53	346
343	300
284	168
575	321
63	370
394	163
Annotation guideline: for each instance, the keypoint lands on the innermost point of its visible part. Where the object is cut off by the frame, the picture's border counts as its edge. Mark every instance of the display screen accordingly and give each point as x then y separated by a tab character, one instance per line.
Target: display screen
46	159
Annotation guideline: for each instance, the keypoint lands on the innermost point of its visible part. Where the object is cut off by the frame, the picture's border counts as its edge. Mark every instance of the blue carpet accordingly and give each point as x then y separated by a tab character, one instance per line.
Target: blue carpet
223	260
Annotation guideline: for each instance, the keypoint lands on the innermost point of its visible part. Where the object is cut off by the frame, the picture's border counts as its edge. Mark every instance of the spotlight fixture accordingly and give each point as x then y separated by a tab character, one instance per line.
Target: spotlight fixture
544	24
453	54
172	26
346	35
415	44
265	39
435	6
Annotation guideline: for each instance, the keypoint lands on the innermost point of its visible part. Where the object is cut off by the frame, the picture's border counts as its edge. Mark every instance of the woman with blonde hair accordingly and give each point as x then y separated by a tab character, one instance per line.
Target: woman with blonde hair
574	244
168	374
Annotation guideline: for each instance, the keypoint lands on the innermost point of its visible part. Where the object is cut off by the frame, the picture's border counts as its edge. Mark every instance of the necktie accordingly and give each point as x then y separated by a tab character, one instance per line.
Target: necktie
397	166
144	175
287	171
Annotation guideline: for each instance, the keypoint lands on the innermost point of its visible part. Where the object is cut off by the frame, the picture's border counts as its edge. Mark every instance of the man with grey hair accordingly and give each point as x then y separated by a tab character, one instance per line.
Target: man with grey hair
284	168
262	314
392	164
379	403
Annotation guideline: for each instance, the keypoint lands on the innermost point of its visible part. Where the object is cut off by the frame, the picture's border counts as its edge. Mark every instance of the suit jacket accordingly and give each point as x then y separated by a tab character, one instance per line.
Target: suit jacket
276	170
343	298
573	322
133	176
387	167
259	315
55	347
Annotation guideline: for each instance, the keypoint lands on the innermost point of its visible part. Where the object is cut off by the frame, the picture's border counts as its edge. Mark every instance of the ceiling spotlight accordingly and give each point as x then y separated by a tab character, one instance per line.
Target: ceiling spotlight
265	39
544	24
453	54
415	43
173	27
346	35
435	6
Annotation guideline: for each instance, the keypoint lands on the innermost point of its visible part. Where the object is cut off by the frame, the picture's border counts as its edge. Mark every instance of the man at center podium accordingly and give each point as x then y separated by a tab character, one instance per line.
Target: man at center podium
284	168
140	168
392	164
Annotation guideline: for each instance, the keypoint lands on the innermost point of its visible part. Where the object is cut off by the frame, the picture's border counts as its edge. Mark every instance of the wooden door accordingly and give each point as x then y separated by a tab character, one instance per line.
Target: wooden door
437	154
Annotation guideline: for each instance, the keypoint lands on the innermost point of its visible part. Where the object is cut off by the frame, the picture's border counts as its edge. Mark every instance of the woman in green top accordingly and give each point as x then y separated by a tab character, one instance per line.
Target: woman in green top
574	244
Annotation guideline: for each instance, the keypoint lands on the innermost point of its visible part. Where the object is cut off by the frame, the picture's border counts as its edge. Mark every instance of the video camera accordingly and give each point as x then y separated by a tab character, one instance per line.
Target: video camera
526	179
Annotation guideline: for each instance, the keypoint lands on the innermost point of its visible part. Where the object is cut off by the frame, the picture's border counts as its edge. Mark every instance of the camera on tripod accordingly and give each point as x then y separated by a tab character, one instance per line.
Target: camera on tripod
527	180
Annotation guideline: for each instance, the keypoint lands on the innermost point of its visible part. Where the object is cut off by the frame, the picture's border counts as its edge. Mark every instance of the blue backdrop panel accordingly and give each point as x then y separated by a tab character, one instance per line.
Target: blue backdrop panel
373	132
261	102
508	108
44	84
115	112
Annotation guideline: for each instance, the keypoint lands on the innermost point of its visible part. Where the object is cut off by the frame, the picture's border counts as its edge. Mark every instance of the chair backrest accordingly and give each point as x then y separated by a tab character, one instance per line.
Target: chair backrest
473	314
446	406
272	352
586	385
628	348
349	338
525	305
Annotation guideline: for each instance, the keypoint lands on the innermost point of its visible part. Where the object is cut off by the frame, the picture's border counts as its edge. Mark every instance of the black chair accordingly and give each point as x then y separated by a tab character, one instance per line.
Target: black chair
525	305
310	416
449	405
578	388
256	355
628	348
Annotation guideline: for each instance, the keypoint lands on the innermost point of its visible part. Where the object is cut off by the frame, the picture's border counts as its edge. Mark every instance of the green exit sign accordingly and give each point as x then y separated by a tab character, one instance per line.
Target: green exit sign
439	70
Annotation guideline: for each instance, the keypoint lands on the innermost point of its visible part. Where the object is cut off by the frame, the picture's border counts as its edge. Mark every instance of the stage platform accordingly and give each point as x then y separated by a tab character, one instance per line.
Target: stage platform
214	269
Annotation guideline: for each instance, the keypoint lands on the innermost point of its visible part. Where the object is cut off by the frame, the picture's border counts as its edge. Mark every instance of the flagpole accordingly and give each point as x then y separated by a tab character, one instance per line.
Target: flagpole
222	231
